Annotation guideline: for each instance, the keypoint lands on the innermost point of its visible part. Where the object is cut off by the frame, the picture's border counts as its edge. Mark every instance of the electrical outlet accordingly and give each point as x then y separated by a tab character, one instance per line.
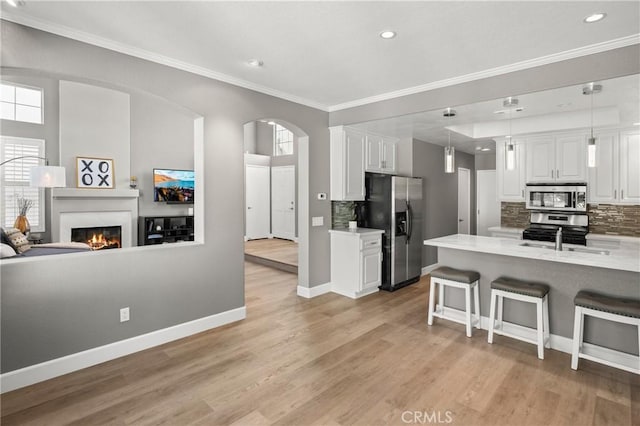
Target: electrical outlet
124	314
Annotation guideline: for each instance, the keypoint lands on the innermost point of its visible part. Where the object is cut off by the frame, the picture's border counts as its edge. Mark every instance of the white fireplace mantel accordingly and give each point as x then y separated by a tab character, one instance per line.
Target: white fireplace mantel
61	193
75	207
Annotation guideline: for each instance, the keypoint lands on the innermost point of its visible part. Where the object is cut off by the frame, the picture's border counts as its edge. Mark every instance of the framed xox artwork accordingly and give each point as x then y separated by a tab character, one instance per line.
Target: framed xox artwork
95	173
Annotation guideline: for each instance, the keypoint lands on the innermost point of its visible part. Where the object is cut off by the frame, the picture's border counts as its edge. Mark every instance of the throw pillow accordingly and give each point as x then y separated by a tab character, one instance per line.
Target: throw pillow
18	240
6	240
6	251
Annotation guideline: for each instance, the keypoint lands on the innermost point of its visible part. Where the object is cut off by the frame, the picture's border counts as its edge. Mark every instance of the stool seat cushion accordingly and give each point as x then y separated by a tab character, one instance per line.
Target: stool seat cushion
458	275
613	305
526	288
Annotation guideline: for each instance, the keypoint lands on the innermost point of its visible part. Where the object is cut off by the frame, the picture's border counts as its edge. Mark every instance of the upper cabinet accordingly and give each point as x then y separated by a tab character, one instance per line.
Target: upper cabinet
352	153
511	183
556	158
347	164
381	154
616	176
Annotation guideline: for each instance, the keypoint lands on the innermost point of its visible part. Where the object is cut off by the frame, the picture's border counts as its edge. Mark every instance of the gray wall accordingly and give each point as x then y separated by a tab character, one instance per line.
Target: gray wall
49	307
485	161
440	193
156	126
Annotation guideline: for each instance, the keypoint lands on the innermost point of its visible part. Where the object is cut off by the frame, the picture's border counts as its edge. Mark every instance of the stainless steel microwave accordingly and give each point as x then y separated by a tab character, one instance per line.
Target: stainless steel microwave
570	197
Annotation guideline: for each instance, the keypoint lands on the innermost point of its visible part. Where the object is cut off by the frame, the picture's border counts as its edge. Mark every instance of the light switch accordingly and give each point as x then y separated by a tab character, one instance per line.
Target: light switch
317	221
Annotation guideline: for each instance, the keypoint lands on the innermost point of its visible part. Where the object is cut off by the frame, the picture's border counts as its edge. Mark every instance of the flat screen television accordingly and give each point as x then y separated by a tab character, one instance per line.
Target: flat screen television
173	186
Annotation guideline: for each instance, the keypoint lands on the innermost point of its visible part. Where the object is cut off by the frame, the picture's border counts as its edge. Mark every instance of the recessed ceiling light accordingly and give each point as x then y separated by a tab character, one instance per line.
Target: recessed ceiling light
485	149
13	3
271	123
636	124
255	63
595	17
388	34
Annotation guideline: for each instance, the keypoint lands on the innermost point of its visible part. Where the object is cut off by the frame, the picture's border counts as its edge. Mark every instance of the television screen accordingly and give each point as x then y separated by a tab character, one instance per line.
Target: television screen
173	186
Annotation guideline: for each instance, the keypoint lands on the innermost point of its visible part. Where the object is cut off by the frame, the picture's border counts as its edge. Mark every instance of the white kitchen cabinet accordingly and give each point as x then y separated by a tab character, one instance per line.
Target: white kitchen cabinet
381	154
556	158
356	261
347	164
616	177
630	167
511	183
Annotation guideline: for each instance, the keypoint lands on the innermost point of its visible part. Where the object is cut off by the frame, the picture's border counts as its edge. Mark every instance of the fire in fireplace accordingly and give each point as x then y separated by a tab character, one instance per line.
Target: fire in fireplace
98	237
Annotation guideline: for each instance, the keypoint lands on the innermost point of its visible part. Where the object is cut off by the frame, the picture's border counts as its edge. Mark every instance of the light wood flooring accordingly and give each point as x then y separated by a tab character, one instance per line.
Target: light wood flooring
274	252
333	361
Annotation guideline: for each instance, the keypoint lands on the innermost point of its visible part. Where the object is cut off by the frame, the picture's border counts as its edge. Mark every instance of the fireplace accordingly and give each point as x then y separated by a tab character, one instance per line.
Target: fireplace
98	237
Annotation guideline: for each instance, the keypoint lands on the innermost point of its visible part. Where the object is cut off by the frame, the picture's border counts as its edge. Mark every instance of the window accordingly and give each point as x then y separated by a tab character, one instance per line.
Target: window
20	103
14	181
282	141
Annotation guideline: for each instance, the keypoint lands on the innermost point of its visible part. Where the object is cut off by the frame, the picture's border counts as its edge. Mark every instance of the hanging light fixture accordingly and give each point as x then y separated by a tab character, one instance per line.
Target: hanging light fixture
449	151
591	89
510	147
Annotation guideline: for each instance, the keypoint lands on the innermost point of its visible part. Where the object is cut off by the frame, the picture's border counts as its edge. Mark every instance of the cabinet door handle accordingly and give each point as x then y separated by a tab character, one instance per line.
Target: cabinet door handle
557	174
615	194
551	173
622	194
523	193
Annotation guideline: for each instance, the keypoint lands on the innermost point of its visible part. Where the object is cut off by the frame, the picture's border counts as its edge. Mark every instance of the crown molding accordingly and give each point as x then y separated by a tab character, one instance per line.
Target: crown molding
105	43
493	72
84	37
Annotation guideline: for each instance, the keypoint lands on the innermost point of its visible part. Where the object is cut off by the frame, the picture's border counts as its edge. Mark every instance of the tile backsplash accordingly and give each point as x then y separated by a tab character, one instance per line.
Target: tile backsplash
514	215
341	213
614	219
603	218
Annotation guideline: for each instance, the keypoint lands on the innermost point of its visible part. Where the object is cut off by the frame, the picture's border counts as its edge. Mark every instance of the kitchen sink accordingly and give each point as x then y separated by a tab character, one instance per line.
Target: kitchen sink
575	249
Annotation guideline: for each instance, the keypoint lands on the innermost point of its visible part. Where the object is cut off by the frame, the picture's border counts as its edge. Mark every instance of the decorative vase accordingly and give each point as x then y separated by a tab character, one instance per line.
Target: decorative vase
22	223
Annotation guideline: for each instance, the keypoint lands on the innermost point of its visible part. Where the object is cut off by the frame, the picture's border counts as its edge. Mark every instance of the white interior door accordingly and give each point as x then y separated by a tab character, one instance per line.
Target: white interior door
283	202
257	202
488	206
464	200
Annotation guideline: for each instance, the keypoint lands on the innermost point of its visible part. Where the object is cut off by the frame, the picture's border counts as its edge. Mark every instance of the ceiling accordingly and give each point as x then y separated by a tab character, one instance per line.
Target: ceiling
476	125
329	54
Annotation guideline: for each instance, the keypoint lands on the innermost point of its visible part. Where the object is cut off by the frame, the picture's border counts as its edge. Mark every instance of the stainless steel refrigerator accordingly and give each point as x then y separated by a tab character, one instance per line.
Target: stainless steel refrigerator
394	204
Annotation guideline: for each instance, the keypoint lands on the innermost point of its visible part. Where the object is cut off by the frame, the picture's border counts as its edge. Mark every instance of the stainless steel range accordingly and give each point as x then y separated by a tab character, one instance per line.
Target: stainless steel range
544	227
557	207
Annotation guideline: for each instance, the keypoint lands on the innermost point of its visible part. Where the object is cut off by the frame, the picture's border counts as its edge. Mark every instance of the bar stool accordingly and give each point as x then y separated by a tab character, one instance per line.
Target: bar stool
610	308
523	291
467	280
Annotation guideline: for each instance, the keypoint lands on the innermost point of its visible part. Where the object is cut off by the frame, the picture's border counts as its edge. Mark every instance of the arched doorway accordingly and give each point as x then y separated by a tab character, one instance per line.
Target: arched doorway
260	146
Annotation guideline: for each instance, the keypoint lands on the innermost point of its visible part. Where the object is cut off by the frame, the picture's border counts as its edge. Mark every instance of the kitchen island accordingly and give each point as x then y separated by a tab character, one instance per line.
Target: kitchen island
613	271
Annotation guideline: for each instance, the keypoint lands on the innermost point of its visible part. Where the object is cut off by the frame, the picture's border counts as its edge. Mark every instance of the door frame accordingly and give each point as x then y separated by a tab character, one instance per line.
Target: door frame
467	183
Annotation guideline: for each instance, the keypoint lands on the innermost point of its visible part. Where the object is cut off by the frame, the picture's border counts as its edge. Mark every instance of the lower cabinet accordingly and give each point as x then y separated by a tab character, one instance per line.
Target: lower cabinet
356	261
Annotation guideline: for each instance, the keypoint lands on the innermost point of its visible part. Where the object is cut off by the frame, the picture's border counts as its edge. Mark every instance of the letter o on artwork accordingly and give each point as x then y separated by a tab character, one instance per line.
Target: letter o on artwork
87	179
103	166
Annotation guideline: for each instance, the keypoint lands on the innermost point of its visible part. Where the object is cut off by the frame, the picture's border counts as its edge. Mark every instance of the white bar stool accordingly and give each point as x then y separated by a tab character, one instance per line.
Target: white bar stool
467	280
610	308
523	291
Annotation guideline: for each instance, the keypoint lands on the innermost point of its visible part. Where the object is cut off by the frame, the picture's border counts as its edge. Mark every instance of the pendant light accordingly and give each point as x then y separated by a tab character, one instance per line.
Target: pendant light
591	89
449	151
510	148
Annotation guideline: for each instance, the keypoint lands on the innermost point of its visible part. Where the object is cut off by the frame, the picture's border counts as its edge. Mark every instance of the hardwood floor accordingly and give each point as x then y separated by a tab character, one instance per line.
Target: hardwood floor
333	361
274	252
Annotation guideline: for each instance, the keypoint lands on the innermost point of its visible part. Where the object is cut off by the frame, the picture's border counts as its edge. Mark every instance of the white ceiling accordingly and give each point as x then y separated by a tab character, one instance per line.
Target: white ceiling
328	54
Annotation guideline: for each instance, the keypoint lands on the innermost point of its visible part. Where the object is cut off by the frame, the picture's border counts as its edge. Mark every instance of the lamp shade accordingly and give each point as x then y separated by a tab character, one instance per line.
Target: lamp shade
48	177
449	159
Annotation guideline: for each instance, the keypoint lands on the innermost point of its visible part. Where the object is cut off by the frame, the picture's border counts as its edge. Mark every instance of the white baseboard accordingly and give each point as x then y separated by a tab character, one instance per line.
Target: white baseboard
309	292
57	367
427	269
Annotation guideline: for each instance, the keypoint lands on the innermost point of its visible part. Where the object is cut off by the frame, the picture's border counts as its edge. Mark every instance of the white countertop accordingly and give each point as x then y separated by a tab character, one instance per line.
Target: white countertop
623	258
356	231
505	229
